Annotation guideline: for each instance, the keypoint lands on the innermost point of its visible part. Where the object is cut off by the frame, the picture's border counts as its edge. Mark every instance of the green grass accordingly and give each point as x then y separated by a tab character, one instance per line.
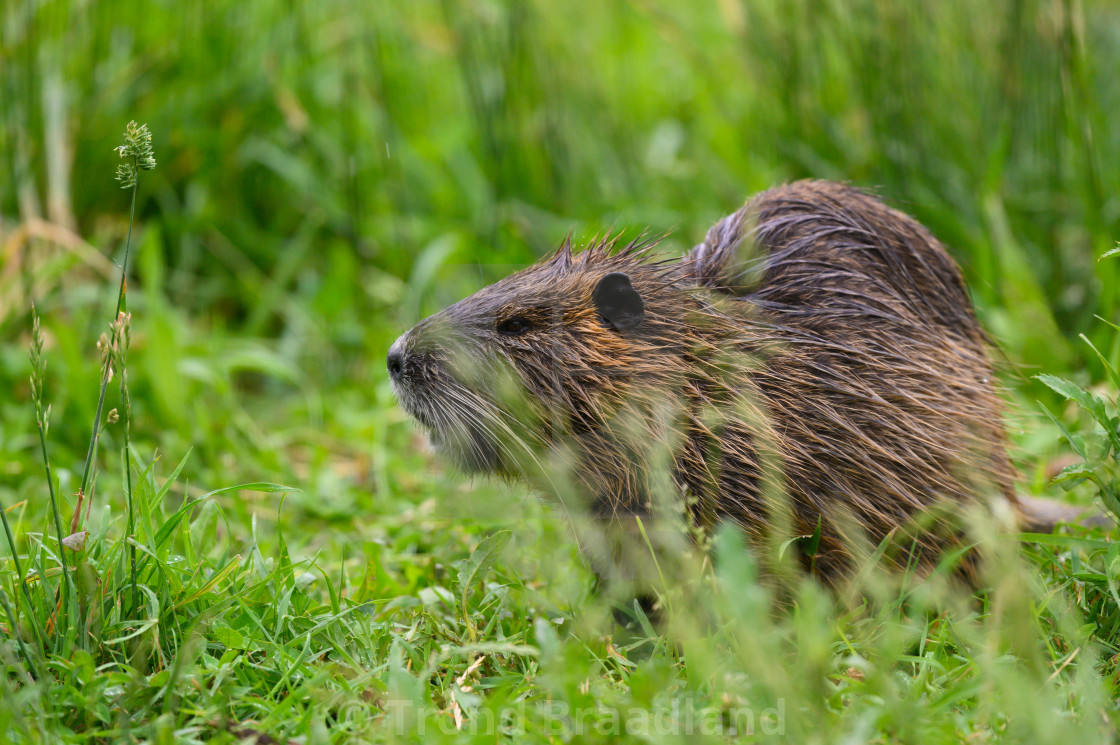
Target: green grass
330	172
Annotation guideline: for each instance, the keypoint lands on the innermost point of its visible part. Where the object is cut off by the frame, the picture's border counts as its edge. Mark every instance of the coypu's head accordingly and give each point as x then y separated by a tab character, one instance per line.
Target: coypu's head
551	350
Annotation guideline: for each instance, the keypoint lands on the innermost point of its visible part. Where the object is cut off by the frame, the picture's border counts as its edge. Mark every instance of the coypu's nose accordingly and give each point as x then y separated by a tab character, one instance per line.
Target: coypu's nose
395	359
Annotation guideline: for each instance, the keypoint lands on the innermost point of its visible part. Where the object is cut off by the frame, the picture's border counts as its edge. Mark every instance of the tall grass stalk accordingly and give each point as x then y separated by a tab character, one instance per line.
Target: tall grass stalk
138	156
43	422
123	331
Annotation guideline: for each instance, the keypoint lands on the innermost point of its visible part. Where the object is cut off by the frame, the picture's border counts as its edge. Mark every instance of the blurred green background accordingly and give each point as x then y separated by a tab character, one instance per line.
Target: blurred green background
329	172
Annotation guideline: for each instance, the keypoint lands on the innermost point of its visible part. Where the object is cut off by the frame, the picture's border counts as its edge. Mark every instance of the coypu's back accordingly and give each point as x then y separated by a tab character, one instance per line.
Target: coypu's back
823	250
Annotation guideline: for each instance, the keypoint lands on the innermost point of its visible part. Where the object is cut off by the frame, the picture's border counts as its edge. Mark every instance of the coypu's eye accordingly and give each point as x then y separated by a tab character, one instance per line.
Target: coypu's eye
515	326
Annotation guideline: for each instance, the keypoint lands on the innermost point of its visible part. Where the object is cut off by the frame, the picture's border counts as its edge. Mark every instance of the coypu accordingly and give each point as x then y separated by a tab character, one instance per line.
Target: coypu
818	343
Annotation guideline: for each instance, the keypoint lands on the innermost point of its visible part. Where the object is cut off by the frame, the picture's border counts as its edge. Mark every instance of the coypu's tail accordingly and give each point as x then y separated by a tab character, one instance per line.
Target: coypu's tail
1043	515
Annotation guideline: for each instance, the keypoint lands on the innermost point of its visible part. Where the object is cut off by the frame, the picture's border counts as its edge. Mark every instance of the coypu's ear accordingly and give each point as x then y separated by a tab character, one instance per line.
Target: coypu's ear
618	302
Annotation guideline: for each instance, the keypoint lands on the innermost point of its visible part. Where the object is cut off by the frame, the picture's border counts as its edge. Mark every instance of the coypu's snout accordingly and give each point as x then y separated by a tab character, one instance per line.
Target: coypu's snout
405	373
409	378
429	372
408	369
410	359
395	359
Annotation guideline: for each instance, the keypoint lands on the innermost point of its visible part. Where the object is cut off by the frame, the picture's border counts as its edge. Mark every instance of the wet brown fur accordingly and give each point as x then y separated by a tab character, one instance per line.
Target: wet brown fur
817	344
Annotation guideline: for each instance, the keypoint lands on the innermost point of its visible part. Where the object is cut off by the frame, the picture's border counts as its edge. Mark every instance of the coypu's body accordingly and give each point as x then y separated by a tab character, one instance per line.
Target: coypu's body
818	344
